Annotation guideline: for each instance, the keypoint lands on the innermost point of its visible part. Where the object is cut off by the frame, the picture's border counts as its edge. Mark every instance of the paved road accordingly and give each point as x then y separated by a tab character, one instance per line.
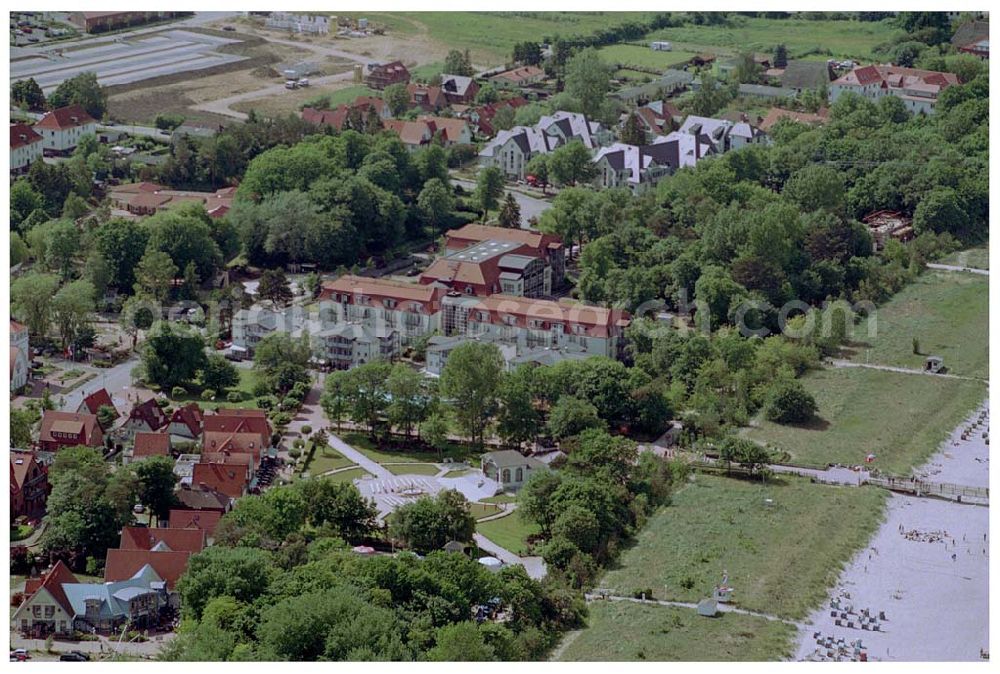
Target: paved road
117	380
903	370
535	566
530	206
104	647
953	267
723	608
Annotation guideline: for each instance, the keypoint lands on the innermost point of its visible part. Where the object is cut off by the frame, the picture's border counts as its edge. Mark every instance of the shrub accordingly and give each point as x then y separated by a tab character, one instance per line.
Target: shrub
281	419
294	452
162	403
267	402
234	397
307	430
208	394
178	391
298	443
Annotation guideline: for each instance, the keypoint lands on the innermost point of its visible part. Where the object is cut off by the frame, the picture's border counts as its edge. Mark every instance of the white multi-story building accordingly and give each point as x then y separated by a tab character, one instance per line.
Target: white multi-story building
25	147
918	89
640	167
724	135
62	129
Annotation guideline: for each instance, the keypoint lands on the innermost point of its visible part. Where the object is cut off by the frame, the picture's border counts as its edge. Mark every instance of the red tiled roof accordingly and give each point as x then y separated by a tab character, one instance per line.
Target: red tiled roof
598	321
19	471
98	399
123	564
379	289
150	444
53	582
69	422
190	415
204	520
65	118
238	424
411	133
229	480
239	443
21	135
150	413
474	232
178	539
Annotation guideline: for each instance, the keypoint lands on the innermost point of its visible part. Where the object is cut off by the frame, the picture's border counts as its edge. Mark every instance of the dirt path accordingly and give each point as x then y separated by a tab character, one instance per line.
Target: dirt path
904	370
723	608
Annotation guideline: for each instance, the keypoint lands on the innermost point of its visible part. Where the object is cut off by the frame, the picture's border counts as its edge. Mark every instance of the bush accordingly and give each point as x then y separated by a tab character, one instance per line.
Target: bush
234	397
261	389
307	430
168	122
162	403
294	452
281	419
267	402
208	394
178	392
788	401
298	443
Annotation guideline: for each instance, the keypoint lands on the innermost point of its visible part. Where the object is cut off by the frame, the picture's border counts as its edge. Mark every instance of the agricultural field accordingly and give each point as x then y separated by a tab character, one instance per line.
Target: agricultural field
627	631
510	532
781	557
947	312
901	418
845	39
643	56
976	258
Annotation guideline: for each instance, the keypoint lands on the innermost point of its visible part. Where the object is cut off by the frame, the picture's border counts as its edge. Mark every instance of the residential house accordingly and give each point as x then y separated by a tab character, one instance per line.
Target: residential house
46	609
122	565
459	89
145	445
381	76
145	198
481	117
414	135
973	38
439	347
511	150
25	147
145	417
346	345
186	421
162	538
20	356
450	130
69	429
670	83
29	485
426	97
722	134
204	520
918	89
338	117
765	92
776	114
236	420
806	75
61	129
203	500
531	243
509	468
95	401
230	479
658	118
529	323
518	78
641	167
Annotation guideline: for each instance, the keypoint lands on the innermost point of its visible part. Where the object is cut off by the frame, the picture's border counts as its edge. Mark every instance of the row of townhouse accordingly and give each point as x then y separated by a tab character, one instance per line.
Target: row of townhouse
918	89
512	149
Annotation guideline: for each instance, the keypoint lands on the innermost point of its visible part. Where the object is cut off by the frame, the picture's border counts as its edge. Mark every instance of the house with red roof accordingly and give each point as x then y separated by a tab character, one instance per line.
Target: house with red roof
227	479
516	78
186	421
29	485
46	609
26	147
69	429
145	417
231	421
95	401
414	134
337	118
61	129
162	539
204	520
918	89
169	565
145	445
381	76
459	89
426	97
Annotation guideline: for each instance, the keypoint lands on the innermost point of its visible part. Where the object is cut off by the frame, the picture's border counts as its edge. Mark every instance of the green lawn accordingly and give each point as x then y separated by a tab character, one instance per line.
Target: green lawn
634	55
625	631
948	312
510	532
425	72
901	418
481	510
413	468
395	454
325	459
248	379
977	258
460	472
334	98
848	39
348	475
502	498
781	558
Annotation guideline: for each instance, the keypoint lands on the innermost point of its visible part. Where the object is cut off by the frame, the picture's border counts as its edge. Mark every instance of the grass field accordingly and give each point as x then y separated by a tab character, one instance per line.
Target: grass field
627	54
326	459
248	379
901	418
849	39
364	444
490	36
502	498
948	312
625	631
977	258
425	72
348	475
481	510
509	532
780	558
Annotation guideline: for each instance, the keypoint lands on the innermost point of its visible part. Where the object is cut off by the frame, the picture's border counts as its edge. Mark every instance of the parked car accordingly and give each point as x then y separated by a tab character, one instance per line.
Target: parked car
74	656
229	28
19	655
138	509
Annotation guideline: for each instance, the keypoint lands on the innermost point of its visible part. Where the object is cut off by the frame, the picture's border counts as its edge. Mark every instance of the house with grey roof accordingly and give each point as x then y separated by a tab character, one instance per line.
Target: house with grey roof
804	75
723	134
512	149
671	82
641	167
510	469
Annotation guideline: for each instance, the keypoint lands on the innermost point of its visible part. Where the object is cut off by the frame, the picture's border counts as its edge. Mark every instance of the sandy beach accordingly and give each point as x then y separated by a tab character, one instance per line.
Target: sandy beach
926	569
